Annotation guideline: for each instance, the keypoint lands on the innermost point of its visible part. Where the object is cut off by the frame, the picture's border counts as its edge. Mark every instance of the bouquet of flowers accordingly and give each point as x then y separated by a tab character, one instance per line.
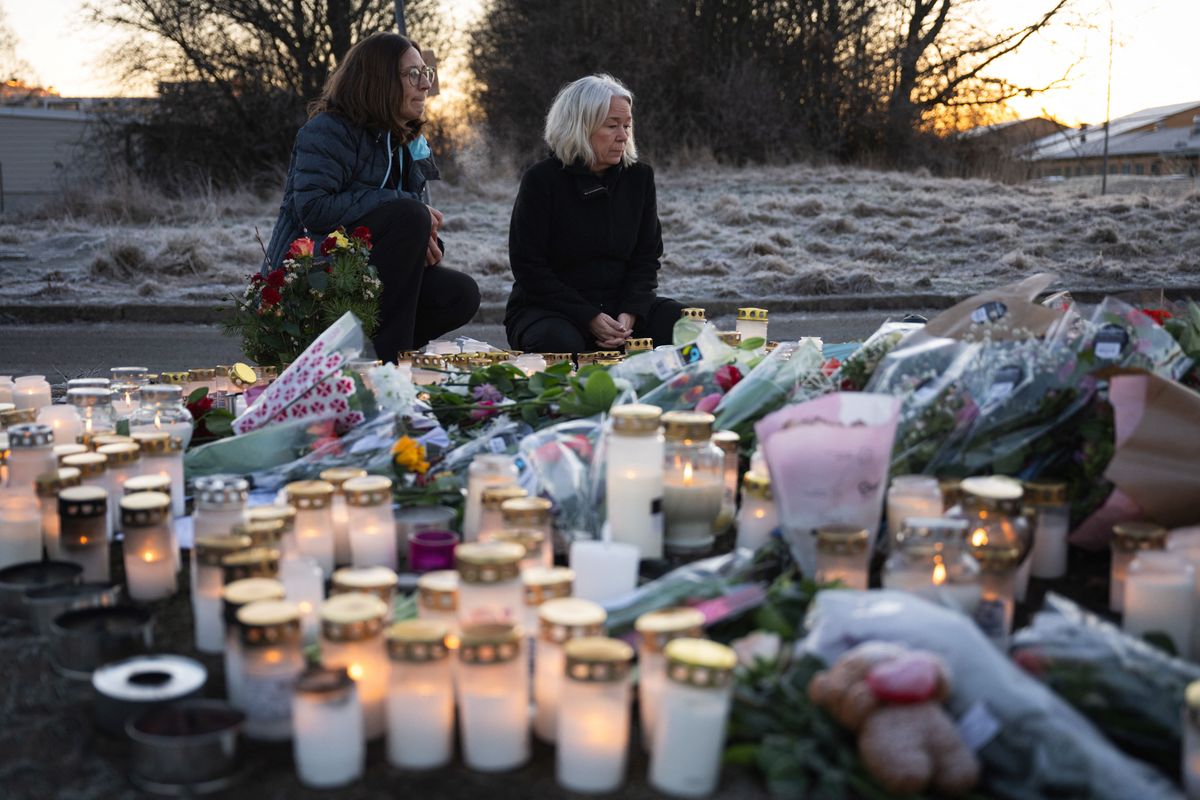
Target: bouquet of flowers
279	314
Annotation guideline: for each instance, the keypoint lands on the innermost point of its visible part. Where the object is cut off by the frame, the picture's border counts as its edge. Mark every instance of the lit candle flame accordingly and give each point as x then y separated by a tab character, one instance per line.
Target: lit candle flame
272	657
158	420
979	538
355	671
149	556
83	540
939	574
759	513
452	642
687	473
305	607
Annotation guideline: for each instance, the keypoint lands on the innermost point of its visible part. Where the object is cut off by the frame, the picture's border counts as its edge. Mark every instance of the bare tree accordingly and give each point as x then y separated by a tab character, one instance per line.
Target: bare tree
12	67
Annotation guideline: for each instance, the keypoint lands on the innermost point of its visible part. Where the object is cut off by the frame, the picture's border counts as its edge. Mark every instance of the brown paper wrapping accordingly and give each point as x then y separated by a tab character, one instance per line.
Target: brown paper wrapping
1022	319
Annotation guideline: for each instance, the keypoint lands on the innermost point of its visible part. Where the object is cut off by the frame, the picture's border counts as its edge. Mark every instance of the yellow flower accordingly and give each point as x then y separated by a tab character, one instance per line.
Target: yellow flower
408	454
340	238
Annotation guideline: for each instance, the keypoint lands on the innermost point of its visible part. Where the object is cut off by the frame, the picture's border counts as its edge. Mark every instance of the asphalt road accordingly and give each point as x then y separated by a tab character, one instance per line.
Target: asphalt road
62	351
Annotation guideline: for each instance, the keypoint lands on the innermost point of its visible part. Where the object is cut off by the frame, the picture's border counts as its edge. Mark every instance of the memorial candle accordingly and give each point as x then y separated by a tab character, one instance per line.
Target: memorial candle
234	596
220	504
842	555
693	481
492	499
1053	523
83	517
94	409
125	400
314	520
1128	540
420	702
486	470
327	720
593	715
757	517
31	453
272	661
911	496
339	513
48	487
378	581
20	528
1191	740
124	462
727	442
31	391
284	514
162	455
162	409
372	528
542	584
61	451
655	630
493	697
305	585
352	637
1158	597
157	483
529	512
559	621
208	580
490	588
63	420
634	479
932	562
752	323
149	563
437	599
603	570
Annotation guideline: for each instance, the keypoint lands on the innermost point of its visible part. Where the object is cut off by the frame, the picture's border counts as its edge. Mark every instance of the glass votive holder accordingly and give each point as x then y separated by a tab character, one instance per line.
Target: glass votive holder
234	595
272	660
352	637
559	621
542	584
220	504
593	715
20	528
372	527
437	598
149	559
486	470
162	454
83	530
48	486
327	725
337	477
207	582
1052	525
911	496
656	629
491	501
379	581
124	462
493	697
313	501
431	550
1128	539
285	514
604	570
420	704
489	585
1159	591
842	555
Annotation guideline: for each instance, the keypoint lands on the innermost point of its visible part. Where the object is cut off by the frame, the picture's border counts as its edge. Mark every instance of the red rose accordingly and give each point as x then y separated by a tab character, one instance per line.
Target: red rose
328	246
728	377
1159	315
271	296
829	367
256	279
362	232
277	279
301	247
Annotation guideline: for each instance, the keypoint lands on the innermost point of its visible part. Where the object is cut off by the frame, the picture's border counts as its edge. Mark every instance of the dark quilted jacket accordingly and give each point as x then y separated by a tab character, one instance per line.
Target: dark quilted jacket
337	175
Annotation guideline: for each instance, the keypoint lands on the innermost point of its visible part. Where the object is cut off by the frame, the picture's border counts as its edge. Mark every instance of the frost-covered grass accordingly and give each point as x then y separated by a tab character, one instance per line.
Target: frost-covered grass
753	234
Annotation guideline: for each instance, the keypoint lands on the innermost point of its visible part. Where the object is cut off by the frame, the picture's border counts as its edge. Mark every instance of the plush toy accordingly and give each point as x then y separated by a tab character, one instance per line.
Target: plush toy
892	698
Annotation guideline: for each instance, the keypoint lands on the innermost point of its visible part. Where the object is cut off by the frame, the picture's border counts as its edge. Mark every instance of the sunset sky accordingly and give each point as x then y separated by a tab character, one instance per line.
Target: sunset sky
1154	62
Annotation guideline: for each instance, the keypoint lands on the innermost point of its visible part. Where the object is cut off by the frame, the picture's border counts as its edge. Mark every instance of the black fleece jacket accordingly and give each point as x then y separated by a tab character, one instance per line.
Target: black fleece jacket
581	244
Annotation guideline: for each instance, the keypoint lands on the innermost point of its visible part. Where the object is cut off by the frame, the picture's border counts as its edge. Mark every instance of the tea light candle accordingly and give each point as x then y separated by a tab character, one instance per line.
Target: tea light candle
493	697
372	528
1049	557
125	399
757	517
727	442
327	720
413	519
693	481
431	550
124	462
220	504
437	599
689	733
94	408
542	584
157	483
604	570
634	479
1129	538
272	661
490	588
206	585
63	420
305	585
31	453
93	471
379	581
314	520
1158	597
911	496
31	391
234	596
998	575
593	716
486	470
48	487
339	512
655	630
20	528
352	637
83	530
932	562
162	455
420	703
752	323
842	555
559	621
149	563
491	518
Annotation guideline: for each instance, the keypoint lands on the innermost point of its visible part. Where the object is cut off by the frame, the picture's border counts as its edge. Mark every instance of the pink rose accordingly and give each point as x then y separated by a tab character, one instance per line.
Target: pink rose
708	402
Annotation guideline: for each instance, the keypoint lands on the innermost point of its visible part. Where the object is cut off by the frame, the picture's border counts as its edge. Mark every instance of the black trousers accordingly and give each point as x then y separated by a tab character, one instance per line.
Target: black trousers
418	303
536	330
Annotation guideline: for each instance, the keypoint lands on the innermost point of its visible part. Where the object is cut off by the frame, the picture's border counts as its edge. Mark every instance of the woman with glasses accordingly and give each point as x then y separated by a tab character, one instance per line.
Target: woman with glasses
351	166
584	242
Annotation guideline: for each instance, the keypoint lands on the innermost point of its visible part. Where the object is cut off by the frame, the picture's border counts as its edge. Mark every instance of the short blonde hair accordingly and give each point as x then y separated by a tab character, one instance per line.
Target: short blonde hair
578	111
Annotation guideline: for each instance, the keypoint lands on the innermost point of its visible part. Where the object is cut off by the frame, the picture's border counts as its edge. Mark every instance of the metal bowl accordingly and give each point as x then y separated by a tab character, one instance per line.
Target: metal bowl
84	639
16	579
44	603
185	748
124	689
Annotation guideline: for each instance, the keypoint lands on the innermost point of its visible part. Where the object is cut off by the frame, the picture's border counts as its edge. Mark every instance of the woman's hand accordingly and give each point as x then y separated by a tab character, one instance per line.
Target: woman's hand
436	218
607	331
433	253
627	321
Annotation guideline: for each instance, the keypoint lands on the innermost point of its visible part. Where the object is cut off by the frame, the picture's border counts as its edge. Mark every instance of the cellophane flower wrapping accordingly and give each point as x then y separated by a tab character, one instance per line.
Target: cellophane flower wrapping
789	374
1041	747
829	460
648	372
695	377
560	459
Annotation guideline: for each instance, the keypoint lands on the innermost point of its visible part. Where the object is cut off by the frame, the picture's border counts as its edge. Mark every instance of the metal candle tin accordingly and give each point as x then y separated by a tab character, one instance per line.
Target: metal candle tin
82	640
185	748
125	689
44	603
16	579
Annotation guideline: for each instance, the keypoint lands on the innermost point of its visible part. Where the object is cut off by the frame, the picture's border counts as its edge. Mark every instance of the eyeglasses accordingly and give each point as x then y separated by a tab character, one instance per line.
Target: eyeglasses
414	75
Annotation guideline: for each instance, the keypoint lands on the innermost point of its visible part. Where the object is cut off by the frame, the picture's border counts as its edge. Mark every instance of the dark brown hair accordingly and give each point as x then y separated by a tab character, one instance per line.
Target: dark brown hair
367	88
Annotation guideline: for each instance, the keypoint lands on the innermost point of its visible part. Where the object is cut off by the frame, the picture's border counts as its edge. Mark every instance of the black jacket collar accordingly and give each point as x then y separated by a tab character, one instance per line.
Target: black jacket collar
590	185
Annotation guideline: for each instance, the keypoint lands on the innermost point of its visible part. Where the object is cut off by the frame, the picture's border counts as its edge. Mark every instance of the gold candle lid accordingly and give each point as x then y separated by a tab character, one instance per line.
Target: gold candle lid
417	641
427	361
488	562
121	455
160	393
266	623
352	617
700	663
489	643
438	590
248	590
201	374
638	345
144	509
727	440
157	443
493	497
285	514
148	483
546	583
378	581
103	438
336	476
261	532
636	419
569	618
530	511
61	451
842	540
687	426
309	495
242	376
1046	493
49	484
408	355
172	378
752	314
209	550
692	313
1139	535
555	358
17	416
730	338
597	659
667	624
82	502
997	492
253	562
89	465
997	559
530	539
755	484
369	490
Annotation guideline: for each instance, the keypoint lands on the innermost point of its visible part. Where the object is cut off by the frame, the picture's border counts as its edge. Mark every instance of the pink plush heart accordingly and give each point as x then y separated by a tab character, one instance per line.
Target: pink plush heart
910	678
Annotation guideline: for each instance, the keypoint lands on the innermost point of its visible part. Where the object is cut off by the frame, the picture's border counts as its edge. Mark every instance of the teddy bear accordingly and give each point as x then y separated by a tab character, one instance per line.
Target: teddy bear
891	697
